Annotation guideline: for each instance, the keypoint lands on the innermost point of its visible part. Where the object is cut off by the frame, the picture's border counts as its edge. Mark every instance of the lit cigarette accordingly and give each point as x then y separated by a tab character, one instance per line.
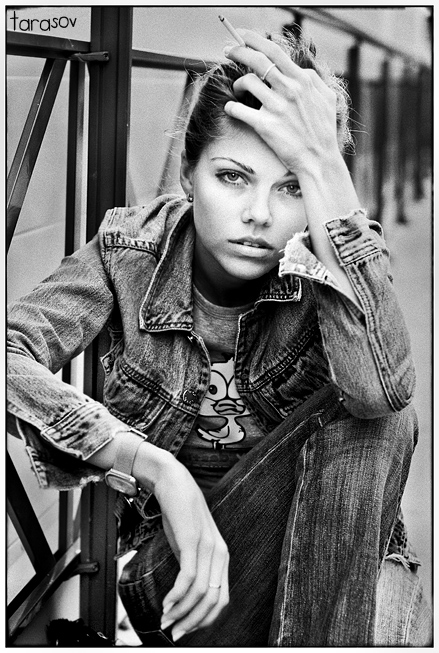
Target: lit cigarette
232	30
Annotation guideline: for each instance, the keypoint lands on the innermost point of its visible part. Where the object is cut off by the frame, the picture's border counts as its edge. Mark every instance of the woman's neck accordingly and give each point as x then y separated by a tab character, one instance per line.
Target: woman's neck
236	294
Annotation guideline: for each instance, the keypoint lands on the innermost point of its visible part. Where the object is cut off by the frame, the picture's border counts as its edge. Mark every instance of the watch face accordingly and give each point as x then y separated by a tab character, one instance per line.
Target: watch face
121	482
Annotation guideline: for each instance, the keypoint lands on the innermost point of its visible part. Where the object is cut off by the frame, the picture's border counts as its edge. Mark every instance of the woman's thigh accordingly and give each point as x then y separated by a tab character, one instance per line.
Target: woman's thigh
251	506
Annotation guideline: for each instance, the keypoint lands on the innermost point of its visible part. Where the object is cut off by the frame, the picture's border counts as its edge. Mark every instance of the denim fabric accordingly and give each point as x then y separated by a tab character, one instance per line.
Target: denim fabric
404	617
135	278
307	516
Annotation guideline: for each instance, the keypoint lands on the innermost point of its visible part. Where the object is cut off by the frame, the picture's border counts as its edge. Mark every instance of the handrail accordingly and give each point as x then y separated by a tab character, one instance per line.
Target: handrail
40	45
164	61
324	17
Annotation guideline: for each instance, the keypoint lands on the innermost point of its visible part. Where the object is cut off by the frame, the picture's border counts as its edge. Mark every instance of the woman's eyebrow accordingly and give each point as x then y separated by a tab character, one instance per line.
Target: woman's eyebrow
240	165
288	175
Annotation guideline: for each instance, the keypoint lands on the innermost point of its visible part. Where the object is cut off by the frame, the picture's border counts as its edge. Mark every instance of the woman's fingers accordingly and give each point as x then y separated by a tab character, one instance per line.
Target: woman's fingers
261	53
241	112
223	601
214	599
255	86
184	580
199	586
193	598
255	60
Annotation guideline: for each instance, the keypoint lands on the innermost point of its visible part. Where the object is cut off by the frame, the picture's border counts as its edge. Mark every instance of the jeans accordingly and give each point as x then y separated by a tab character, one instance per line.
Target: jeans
307	515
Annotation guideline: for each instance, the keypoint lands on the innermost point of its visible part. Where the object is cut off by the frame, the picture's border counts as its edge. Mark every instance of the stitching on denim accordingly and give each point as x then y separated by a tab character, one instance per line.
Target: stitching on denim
298	494
257	463
410	613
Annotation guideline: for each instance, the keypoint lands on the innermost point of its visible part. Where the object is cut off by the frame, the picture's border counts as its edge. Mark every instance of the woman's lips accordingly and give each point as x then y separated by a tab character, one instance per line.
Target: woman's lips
252	247
257	243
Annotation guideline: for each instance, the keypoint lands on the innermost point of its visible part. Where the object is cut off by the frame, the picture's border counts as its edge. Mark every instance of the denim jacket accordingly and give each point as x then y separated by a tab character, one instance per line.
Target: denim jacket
135	279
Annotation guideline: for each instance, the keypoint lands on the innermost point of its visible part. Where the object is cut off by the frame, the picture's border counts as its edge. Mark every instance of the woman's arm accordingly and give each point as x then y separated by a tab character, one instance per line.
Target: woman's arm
365	337
297	120
191	532
46	329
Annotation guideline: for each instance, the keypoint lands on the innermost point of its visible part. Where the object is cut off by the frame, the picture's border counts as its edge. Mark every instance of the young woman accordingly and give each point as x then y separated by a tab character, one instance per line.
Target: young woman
256	416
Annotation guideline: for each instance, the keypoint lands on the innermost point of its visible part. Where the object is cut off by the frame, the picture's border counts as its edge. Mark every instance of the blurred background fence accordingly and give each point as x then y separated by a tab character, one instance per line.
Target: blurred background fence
62	177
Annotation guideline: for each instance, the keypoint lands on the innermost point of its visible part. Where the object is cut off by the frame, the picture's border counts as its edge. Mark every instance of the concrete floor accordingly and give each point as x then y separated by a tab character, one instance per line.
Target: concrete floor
411	250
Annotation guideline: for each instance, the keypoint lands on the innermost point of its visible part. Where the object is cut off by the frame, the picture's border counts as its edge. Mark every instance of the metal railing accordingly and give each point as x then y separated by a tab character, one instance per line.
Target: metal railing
109	57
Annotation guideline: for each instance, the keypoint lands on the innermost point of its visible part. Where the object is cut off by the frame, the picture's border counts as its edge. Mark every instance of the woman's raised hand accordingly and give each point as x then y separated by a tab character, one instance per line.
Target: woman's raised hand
201	589
297	119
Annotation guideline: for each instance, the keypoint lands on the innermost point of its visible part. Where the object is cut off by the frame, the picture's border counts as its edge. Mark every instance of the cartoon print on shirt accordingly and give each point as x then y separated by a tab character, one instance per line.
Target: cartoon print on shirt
220	418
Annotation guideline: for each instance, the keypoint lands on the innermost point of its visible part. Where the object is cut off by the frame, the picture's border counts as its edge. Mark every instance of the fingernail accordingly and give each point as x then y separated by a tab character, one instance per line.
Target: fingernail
167	607
241	30
227	50
178	634
165	624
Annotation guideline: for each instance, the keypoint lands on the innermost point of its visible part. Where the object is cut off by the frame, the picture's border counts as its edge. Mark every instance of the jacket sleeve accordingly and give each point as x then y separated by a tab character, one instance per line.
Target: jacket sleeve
61	426
368	350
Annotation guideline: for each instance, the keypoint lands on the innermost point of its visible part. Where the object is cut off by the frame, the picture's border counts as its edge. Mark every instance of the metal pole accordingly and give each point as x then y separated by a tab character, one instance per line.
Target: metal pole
381	137
110	85
401	168
418	191
354	91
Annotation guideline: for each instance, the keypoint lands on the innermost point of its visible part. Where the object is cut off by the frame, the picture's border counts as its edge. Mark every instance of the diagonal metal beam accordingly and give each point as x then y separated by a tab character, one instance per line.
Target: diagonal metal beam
31	139
25	606
25	521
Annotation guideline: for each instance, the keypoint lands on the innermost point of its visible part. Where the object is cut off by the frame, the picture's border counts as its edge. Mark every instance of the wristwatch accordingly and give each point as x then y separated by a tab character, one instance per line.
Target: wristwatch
119	477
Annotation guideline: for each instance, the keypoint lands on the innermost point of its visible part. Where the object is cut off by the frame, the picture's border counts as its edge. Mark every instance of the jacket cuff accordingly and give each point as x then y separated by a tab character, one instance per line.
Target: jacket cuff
58	454
299	260
83	430
354	236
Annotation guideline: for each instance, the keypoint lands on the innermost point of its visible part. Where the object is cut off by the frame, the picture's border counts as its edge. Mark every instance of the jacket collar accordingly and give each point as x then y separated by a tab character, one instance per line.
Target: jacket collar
168	300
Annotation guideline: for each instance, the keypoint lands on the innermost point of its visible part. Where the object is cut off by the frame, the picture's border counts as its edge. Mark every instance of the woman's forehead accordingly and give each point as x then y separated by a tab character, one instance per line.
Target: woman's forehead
243	144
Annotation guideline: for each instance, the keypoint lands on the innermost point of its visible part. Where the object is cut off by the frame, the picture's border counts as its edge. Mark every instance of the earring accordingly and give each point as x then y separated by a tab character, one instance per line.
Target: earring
190	198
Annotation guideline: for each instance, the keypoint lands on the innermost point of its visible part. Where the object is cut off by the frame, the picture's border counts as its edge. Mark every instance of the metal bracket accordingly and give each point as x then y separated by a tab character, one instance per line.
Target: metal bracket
90	57
86	568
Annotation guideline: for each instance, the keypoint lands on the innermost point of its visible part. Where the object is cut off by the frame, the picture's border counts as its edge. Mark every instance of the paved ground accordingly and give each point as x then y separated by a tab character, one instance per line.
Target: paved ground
411	248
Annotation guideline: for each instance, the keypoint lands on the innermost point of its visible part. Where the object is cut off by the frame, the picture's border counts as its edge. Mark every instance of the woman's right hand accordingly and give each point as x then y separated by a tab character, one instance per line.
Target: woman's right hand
201	589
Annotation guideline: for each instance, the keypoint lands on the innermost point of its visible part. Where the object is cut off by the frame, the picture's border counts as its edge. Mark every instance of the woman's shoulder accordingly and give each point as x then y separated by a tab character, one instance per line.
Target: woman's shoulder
148	222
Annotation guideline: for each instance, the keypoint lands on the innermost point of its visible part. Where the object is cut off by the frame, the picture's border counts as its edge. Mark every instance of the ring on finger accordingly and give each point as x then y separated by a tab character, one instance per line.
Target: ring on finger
214	587
264	76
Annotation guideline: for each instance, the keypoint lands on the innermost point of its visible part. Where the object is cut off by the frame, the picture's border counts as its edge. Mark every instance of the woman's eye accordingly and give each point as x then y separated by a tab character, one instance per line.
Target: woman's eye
293	190
230	177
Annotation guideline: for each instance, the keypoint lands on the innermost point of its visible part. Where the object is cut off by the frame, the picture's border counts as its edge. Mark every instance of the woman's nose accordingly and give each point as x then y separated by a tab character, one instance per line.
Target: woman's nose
257	210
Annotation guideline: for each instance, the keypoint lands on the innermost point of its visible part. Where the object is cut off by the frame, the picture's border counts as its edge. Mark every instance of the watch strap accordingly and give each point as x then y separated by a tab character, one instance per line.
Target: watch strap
126	452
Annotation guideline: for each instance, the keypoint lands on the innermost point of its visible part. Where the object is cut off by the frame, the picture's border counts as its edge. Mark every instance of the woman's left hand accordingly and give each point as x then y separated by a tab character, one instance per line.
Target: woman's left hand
297	118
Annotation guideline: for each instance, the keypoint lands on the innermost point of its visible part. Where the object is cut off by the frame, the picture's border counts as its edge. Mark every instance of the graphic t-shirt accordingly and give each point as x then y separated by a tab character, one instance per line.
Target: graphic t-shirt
224	429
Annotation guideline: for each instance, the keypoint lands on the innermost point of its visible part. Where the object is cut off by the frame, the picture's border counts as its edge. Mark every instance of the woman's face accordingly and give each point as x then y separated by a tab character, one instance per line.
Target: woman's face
247	205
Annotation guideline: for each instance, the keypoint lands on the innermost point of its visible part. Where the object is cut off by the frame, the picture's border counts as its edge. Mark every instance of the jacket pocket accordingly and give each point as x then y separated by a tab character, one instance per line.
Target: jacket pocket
135	401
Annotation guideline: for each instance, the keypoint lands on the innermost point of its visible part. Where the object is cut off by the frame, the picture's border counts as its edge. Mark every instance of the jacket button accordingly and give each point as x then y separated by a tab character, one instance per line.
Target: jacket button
189	396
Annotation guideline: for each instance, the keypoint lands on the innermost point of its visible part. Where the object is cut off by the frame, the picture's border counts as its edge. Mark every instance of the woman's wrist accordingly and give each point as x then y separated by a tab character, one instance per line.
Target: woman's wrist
150	464
327	188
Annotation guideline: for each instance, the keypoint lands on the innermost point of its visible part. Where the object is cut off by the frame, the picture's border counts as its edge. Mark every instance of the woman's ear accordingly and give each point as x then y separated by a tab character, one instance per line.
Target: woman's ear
186	175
